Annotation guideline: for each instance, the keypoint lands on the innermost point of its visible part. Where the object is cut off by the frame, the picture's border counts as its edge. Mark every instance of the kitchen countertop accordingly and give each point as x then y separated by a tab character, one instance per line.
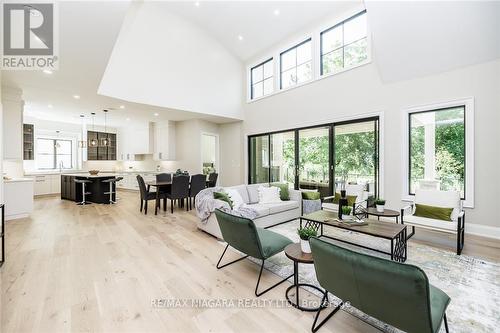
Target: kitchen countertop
18	180
88	175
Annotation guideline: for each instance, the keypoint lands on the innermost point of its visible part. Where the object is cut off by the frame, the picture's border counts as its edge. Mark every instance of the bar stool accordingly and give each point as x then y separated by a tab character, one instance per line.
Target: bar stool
84	193
111	181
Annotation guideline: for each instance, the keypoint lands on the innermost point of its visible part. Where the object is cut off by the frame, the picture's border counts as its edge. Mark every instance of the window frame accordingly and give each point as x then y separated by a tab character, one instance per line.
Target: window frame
468	104
296	46
321	55
263	78
54	152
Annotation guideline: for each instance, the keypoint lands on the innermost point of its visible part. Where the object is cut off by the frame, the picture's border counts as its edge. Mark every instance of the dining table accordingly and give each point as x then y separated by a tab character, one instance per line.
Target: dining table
159	185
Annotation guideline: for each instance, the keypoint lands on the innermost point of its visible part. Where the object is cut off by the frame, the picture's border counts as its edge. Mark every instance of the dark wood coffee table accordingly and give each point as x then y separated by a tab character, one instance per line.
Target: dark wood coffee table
294	252
396	233
385	213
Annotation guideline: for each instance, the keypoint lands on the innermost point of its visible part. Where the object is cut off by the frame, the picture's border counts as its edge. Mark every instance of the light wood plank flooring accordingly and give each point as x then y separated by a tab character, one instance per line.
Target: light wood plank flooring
97	269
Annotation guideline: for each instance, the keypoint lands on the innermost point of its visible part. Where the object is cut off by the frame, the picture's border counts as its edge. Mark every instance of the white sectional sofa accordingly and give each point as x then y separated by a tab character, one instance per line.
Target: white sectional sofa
268	214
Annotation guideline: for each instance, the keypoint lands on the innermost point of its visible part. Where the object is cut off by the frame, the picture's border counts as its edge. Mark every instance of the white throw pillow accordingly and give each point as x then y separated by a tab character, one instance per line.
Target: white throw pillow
235	197
269	195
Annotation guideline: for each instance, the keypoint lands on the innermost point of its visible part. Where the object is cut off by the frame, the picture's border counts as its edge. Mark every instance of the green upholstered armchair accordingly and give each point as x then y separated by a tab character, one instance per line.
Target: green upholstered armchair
398	294
244	236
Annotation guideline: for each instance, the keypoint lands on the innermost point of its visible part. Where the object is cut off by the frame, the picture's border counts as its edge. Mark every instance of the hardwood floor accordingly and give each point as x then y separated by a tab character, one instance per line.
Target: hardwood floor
98	268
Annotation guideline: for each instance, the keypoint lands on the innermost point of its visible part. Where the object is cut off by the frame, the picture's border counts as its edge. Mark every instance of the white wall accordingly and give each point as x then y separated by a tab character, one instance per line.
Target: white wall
164	60
361	91
232	154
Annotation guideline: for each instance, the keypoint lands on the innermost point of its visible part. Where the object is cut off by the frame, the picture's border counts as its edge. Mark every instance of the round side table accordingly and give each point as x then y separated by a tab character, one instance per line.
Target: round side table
385	213
294	252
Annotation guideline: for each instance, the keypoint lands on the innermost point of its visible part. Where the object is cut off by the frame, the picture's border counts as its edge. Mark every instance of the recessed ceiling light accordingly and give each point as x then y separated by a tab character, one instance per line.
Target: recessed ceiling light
128	119
76	96
122	107
47	71
197	4
240	37
276	12
156	114
49	106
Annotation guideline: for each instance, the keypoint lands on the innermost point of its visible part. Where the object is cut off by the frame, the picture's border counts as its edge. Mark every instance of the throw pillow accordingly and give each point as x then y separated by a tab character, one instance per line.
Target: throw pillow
235	197
224	197
284	193
309	195
269	195
351	199
433	212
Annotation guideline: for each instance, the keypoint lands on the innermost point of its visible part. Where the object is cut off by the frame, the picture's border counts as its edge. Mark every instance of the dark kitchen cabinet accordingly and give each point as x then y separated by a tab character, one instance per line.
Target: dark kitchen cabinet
97	152
68	188
28	142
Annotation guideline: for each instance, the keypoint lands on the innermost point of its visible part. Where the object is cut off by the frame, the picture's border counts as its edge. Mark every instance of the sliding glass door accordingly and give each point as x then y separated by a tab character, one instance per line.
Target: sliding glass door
322	158
356	154
283	157
314	160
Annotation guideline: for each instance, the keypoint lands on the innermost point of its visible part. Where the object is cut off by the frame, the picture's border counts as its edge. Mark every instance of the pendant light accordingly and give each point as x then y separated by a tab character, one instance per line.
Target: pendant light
57	144
93	141
82	143
104	142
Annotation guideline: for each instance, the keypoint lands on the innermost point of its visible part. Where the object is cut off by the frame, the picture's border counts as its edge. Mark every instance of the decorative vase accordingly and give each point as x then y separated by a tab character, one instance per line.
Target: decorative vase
380	208
304	246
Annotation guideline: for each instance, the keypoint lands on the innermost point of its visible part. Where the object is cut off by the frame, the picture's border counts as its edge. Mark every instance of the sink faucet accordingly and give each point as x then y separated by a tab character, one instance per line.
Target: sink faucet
61	166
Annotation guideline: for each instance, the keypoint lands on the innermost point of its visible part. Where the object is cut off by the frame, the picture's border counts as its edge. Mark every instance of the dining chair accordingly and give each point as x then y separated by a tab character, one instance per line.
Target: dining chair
212	179
164	177
179	191
145	194
198	183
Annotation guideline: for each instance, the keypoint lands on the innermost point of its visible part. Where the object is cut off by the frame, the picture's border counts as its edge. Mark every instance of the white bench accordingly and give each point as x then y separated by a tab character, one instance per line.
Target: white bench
446	199
361	201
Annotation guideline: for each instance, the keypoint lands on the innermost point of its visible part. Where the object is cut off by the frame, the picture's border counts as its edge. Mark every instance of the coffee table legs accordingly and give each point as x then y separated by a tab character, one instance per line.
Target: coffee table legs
399	247
296	286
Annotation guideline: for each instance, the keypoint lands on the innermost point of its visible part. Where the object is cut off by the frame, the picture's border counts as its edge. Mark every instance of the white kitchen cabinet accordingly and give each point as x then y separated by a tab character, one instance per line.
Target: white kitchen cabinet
164	141
134	142
47	184
18	198
12	105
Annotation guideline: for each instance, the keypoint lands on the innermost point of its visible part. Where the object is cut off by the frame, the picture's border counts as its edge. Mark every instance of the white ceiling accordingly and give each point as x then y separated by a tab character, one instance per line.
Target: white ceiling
87	34
256	21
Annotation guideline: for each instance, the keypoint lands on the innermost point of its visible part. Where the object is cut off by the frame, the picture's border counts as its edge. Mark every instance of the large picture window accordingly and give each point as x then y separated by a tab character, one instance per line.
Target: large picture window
54	154
437	150
344	45
296	65
262	79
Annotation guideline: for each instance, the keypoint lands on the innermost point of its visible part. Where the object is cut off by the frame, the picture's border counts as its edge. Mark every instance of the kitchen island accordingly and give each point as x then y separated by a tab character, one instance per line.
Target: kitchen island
97	190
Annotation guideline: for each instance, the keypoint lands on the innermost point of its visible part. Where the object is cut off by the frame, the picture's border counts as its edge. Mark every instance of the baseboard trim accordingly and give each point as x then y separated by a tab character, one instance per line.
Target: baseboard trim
16	216
482	230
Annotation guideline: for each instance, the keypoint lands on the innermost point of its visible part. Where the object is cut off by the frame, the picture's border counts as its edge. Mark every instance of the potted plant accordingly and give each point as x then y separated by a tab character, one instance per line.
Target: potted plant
346	213
304	234
380	203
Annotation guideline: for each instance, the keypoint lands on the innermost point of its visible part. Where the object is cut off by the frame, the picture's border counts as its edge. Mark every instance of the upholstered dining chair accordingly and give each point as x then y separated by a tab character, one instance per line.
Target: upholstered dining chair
145	194
179	191
212	179
198	183
395	293
164	177
242	234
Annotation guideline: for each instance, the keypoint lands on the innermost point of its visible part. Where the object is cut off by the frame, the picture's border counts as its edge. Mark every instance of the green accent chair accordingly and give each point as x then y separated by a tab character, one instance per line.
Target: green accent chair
398	294
242	234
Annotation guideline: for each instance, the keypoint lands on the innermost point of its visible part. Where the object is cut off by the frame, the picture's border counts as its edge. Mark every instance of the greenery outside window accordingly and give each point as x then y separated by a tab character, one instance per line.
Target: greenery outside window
344	45
437	146
262	82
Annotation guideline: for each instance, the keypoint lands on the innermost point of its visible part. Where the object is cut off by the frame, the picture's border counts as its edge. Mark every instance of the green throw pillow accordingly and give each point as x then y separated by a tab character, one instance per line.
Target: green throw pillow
433	212
351	199
284	194
310	195
224	197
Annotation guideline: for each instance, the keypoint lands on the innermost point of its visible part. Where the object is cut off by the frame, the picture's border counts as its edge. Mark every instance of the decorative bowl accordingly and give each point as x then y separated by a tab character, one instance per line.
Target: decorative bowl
94	172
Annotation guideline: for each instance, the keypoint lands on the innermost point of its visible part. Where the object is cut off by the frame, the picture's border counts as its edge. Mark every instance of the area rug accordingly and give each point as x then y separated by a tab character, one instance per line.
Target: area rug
473	284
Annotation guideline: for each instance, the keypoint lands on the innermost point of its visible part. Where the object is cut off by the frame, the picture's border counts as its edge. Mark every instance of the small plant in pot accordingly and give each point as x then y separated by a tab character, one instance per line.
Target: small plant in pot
304	234
380	204
346	213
